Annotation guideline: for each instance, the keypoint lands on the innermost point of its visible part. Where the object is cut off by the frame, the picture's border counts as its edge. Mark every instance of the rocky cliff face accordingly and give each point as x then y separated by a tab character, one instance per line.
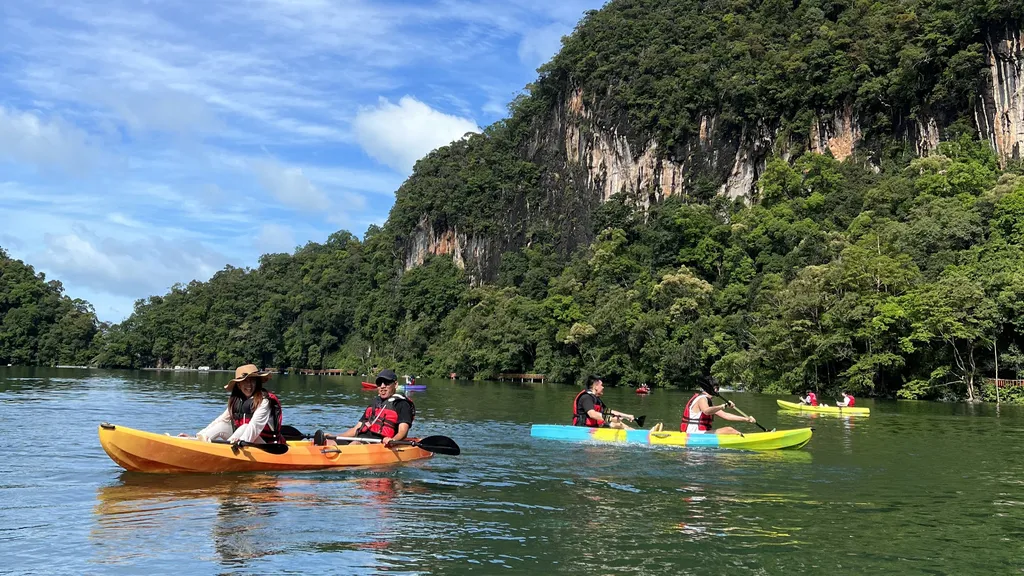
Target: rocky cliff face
588	161
473	254
999	114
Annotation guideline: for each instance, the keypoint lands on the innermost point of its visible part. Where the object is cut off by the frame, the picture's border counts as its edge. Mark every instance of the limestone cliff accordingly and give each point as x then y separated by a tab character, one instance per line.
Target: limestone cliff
588	157
999	114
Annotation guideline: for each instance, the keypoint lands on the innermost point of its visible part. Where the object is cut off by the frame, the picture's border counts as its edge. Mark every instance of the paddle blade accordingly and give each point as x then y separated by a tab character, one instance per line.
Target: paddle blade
291	433
268	448
439	445
640	420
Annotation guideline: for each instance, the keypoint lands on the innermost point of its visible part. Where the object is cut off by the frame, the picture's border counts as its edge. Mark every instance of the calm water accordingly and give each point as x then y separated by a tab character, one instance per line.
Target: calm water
916	488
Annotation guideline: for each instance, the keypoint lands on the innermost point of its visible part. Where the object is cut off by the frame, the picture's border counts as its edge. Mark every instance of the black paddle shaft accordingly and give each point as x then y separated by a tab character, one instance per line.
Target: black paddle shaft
707	387
436	444
268	448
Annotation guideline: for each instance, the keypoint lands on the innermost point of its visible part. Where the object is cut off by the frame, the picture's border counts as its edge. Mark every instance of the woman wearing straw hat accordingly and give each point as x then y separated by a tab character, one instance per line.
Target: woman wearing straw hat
253	413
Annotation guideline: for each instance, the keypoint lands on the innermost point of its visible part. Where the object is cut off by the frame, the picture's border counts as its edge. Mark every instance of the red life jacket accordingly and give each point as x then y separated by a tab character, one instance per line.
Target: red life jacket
580	418
381	418
242	411
703	421
813	398
850	400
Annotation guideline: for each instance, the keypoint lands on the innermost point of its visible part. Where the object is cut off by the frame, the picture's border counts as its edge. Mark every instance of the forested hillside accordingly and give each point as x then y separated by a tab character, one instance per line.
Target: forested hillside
777	195
38	323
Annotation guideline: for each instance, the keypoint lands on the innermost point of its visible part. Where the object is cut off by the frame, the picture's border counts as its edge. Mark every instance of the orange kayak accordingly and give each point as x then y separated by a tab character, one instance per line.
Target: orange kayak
140	451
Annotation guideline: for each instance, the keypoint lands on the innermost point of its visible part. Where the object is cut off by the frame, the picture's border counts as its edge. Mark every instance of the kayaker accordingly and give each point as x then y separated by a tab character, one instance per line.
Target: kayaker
253	413
847	401
589	410
699	414
389	417
811	399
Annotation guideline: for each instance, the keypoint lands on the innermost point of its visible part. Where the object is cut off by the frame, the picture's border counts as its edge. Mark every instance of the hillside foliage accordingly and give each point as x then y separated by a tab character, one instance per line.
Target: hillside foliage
891	276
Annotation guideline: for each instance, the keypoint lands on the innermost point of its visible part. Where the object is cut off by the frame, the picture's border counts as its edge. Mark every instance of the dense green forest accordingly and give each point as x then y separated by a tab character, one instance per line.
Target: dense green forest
884	274
894	284
38	323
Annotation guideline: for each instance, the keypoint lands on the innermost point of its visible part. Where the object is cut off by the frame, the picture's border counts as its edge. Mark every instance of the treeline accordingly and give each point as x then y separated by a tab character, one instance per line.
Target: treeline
39	325
901	284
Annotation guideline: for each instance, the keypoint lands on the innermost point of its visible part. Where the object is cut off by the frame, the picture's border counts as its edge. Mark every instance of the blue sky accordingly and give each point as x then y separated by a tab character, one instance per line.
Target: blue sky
149	142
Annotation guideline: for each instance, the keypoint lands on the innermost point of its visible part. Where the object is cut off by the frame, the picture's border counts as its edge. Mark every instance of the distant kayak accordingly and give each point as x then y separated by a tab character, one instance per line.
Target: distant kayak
780	440
407	387
642	391
140	451
852	410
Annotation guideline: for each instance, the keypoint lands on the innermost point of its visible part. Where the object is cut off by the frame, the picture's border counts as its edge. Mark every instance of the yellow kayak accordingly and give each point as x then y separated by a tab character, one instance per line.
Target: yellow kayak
824	409
140	451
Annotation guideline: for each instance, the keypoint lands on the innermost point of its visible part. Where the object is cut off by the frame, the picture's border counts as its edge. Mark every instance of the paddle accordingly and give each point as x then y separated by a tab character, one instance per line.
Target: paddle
639	419
707	387
268	448
292	433
435	444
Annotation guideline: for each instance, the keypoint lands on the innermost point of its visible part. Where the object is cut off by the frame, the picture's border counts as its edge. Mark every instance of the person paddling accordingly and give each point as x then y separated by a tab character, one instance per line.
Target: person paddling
390	416
847	401
589	410
811	399
699	414
253	414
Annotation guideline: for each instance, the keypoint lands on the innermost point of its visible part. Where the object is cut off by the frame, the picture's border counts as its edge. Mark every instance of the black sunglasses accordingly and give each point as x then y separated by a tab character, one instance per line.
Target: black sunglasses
379	384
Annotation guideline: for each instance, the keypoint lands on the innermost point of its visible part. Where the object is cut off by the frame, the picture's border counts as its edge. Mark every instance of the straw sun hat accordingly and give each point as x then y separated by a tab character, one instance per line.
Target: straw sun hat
247	371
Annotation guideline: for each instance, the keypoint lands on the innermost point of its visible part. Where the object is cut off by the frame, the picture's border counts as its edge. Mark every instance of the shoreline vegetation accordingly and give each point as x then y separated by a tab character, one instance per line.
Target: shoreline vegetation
885	274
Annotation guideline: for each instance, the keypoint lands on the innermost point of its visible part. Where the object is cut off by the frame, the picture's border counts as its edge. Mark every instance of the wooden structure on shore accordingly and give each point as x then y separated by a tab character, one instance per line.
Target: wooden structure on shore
326	372
522	377
1005	383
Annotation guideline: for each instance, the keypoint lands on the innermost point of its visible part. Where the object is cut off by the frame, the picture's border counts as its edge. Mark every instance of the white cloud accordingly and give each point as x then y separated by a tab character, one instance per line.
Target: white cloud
399	135
540	44
135	267
290	185
275	238
122	220
25	137
160	109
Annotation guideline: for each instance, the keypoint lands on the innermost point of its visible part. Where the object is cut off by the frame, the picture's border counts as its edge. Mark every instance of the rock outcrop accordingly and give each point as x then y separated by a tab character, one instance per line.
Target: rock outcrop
999	114
588	159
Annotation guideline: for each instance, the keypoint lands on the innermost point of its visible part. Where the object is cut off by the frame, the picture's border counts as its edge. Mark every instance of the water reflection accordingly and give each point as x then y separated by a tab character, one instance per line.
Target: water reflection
240	511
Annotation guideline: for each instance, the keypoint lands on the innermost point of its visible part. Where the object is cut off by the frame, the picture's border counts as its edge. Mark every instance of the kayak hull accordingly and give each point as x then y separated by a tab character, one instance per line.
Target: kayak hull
779	440
850	411
141	451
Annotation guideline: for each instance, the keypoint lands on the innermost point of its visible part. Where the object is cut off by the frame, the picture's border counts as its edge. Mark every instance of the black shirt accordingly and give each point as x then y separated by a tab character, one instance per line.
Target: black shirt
588	402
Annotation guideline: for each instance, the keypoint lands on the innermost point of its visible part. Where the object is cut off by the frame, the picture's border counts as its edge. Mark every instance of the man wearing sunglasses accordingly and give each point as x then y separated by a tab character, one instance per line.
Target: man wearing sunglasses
389	417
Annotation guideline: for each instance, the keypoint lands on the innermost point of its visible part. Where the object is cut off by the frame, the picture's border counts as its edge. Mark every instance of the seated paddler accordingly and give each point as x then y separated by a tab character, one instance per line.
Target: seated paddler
390	416
253	413
589	410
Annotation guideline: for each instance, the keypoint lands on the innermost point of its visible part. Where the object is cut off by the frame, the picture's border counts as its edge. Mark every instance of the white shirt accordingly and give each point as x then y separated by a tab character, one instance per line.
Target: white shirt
250	432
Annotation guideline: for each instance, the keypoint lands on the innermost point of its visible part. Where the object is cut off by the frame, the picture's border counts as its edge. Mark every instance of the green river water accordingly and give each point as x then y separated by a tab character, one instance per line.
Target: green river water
914	488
